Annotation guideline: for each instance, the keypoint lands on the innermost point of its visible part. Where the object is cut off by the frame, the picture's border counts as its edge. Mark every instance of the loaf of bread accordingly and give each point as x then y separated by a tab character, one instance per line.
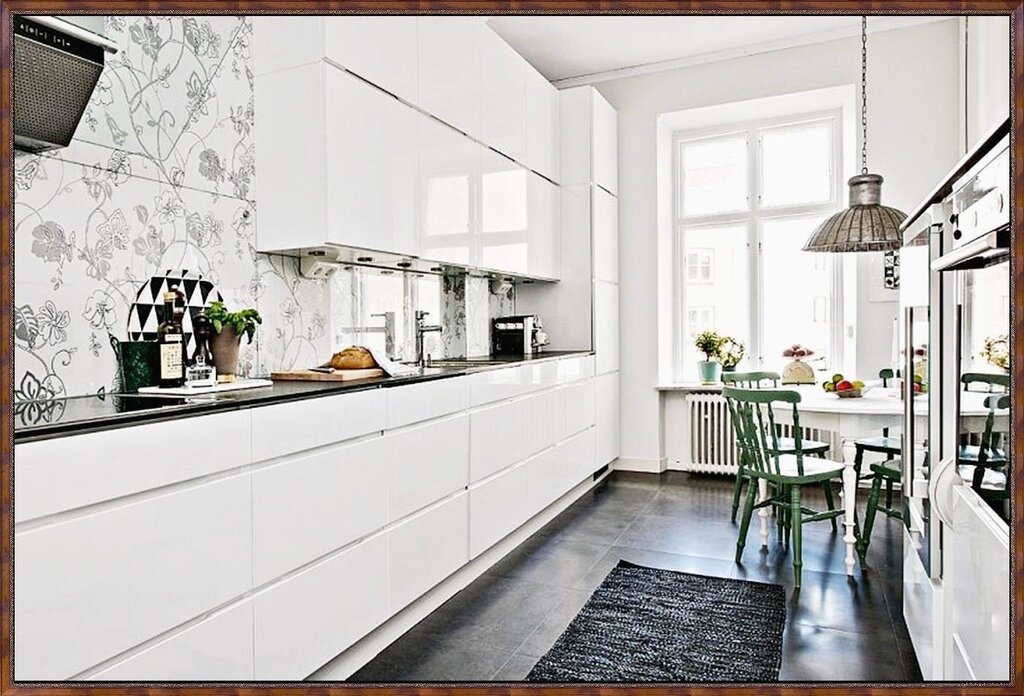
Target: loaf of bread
353	358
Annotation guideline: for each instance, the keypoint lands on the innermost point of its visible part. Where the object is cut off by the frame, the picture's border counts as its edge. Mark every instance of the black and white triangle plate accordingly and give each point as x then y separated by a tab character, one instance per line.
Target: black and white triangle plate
146	312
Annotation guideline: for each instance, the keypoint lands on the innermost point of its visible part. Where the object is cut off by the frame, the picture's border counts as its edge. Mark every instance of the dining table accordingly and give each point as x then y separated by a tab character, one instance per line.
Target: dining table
847	419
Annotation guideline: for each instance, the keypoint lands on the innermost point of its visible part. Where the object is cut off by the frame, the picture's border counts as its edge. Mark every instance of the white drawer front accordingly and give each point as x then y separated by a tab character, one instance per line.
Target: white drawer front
497	507
495	385
543	420
607	418
311	505
69	472
420	402
427	548
308	619
580	462
540	375
579	407
546	473
573	369
426	463
91	587
606	326
216	649
496	438
300	425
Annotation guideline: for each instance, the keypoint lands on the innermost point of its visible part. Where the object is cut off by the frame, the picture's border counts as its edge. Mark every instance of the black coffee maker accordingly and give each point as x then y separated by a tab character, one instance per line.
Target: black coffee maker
517	335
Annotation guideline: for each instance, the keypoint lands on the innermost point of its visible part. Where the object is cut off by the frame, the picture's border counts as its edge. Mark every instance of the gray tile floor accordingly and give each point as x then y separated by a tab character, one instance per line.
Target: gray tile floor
499	626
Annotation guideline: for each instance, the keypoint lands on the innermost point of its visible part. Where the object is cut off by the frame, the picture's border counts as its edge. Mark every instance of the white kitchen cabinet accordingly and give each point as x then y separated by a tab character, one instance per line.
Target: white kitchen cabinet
427	548
218	648
450	78
540	374
574	369
503	239
589	139
605	221
496	438
340	163
304	621
607	418
580	457
543	420
70	472
92	586
543	216
580	398
309	505
288	428
496	385
413	403
503	97
542	126
976	570
382	49
606	326
449	172
497	507
426	462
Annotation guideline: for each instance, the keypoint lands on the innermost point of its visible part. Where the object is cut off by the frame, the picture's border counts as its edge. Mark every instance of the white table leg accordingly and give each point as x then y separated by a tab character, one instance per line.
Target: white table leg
849	505
762	489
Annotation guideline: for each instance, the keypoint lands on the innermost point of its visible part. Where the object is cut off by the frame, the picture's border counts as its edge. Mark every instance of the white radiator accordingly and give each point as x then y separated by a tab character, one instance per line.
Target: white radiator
712	439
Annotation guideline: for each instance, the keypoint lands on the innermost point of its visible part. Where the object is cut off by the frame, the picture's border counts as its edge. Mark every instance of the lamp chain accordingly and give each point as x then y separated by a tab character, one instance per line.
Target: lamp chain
864	94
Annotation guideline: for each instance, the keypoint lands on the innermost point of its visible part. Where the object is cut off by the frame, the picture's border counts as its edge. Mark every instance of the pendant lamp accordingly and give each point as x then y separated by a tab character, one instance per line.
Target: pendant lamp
866	225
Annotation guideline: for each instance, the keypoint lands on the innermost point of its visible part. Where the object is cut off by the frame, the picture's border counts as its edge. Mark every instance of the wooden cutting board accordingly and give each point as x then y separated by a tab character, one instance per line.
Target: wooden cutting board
336	376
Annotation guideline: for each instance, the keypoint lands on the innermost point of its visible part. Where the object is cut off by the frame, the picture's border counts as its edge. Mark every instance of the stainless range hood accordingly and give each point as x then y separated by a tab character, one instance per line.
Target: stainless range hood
57	63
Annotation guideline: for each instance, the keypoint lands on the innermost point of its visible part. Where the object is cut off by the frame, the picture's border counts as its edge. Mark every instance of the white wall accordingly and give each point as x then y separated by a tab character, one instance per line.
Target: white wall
913	139
988	74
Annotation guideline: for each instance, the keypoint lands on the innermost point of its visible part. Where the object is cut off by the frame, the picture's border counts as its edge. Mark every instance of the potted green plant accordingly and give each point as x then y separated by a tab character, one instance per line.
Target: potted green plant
709	342
229	327
730	353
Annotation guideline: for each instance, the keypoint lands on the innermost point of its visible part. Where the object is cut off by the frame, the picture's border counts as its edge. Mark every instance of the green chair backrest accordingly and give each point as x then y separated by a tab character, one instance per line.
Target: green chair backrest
990	437
991	383
753	417
887	373
750	380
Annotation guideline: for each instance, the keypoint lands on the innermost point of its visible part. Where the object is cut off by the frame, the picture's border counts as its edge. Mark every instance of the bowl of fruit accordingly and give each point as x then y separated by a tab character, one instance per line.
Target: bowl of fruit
844	388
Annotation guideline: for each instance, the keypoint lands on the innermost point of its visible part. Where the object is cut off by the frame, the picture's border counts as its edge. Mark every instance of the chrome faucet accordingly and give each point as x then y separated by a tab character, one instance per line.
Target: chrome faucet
421	328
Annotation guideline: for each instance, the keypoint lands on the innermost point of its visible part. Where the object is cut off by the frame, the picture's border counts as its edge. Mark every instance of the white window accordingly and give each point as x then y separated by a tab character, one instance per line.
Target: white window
747	199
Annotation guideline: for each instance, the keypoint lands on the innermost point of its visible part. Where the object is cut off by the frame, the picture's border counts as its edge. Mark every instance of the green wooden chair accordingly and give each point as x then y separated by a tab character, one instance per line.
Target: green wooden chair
983	466
787	445
891	447
753	417
888	472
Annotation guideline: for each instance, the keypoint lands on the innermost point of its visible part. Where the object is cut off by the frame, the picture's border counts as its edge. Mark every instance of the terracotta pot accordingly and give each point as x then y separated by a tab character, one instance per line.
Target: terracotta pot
224	347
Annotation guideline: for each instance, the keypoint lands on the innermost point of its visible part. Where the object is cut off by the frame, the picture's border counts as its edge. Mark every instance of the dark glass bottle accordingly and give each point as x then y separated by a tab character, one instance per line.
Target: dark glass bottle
172	345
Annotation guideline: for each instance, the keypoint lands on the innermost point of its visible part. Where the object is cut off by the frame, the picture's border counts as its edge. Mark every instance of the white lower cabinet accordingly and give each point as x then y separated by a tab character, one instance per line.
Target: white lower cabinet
579	407
496	385
496	508
218	648
309	618
311	505
496	438
91	587
579	457
426	463
543	420
607	418
427	548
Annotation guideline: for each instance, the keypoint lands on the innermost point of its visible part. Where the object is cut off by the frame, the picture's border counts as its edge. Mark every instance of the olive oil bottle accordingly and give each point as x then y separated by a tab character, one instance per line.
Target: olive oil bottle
172	345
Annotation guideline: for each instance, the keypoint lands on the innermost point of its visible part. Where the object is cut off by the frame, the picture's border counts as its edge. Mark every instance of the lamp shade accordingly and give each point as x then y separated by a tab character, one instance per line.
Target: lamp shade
866	225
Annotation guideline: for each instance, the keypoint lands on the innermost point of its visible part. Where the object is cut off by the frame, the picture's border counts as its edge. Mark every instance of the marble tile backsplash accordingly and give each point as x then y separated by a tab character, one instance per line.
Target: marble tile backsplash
161	176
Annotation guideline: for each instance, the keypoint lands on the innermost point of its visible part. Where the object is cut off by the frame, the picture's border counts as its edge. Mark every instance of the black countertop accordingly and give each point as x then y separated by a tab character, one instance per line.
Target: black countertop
40	420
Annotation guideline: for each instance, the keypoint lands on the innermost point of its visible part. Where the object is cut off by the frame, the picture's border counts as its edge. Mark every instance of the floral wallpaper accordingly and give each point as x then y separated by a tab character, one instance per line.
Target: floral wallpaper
161	176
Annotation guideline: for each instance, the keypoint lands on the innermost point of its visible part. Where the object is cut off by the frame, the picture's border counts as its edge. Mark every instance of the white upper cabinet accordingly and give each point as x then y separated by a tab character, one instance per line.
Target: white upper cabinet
448	176
503	97
449	70
542	125
589	132
504	242
542	227
605	224
381	49
372	163
339	161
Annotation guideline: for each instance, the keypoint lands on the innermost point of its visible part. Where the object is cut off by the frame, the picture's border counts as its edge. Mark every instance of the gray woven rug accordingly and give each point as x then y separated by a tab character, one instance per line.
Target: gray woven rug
651	625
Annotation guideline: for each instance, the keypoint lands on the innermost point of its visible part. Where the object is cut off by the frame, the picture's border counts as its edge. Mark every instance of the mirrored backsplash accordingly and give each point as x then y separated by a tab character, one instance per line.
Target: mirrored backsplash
161	176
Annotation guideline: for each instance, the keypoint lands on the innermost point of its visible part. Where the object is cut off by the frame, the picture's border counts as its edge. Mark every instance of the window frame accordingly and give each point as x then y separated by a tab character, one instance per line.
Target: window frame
752	218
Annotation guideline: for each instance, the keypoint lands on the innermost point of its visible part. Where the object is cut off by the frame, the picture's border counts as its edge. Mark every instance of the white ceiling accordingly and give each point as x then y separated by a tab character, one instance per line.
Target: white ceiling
564	47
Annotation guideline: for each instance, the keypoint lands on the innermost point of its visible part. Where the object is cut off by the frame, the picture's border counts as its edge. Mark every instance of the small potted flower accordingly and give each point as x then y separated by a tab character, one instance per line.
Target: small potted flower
996	351
229	327
709	343
730	353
